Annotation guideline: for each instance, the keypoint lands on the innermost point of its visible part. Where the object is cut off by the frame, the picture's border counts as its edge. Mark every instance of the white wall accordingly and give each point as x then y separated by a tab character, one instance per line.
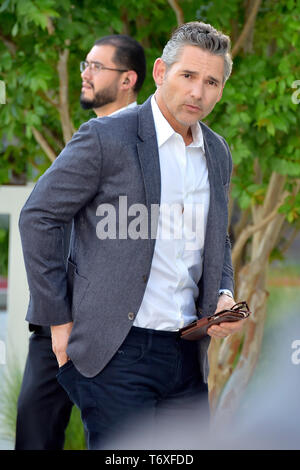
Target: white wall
12	199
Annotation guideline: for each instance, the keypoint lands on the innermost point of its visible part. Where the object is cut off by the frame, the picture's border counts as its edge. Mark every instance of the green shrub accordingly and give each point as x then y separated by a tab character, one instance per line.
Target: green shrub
10	387
75	437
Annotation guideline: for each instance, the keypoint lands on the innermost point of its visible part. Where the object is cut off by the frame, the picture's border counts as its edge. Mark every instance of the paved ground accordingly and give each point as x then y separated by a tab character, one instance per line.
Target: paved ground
6	445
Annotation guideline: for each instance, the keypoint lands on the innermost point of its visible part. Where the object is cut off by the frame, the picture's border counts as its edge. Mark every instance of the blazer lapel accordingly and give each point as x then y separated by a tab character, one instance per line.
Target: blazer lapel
150	167
218	207
217	214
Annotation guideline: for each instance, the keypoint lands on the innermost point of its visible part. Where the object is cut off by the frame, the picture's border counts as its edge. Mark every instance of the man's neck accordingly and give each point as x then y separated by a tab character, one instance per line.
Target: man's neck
112	107
184	131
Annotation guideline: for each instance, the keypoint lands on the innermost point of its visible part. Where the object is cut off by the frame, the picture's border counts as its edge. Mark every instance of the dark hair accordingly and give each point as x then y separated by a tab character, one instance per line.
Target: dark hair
129	54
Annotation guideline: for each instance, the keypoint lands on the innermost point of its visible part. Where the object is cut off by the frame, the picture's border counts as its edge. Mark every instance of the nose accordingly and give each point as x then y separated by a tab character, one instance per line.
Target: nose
197	91
86	74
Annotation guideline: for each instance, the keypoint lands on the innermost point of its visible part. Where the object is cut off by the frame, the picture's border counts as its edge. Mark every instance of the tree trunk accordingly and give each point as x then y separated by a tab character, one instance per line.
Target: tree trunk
230	380
62	67
233	360
174	4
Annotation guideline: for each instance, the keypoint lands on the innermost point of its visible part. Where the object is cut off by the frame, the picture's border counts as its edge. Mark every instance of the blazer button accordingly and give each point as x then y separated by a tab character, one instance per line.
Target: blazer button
145	278
131	316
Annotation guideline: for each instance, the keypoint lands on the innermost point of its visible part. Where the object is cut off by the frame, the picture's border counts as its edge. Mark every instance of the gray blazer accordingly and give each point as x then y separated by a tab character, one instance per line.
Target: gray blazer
103	288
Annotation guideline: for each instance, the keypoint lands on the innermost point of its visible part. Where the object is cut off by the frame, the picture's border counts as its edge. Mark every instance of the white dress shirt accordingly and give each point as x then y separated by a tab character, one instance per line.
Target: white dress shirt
169	299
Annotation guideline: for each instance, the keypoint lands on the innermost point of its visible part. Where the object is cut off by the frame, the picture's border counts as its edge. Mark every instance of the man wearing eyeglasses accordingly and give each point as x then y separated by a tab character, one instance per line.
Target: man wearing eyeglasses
112	75
115	316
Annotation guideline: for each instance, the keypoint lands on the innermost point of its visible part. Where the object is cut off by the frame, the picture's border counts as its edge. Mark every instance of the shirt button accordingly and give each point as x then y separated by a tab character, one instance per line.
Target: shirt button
131	316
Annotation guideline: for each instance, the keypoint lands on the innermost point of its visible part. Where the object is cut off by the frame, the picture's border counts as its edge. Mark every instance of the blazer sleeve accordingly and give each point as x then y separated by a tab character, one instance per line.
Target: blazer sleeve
227	280
68	185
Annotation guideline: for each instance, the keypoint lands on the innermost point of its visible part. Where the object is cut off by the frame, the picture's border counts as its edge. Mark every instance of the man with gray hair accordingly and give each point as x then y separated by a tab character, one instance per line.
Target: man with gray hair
200	35
115	317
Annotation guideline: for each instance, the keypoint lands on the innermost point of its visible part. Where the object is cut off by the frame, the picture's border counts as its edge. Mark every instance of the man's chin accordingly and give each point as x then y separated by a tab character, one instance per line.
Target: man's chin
188	121
86	104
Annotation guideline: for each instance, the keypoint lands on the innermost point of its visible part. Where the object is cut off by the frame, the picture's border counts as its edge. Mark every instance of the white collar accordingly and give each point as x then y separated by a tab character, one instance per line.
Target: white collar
131	105
164	130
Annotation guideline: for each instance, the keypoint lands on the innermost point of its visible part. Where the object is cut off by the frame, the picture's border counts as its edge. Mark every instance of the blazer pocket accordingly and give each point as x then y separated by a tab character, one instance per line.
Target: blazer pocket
77	286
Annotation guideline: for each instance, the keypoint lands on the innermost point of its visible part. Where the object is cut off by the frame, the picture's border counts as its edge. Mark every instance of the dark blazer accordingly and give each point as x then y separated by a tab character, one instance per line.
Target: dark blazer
103	288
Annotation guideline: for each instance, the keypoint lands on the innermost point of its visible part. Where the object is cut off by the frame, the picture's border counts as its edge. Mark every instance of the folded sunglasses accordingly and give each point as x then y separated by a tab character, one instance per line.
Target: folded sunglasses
198	328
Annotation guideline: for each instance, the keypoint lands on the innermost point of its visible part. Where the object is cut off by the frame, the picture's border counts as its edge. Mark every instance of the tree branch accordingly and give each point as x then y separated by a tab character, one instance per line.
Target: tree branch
273	194
64	94
9	44
46	97
34	164
250	230
238	227
177	10
50	26
275	187
44	144
50	134
125	21
141	23
290	241
230	206
247	28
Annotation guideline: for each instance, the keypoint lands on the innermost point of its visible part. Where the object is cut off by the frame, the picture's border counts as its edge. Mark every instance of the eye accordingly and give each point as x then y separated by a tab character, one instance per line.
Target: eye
212	83
187	75
96	66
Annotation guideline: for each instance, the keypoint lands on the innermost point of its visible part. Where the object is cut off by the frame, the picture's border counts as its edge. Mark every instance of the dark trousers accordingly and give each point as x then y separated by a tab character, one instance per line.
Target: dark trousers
151	392
44	407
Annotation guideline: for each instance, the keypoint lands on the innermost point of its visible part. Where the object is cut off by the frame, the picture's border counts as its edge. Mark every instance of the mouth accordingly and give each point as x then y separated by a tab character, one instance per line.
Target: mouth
192	107
86	86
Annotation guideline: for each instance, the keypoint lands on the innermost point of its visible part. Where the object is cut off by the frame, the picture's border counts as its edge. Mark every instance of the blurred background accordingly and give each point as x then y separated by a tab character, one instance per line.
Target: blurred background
41	45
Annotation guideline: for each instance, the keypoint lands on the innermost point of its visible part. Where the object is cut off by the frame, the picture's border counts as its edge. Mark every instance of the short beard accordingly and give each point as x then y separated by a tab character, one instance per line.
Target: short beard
102	98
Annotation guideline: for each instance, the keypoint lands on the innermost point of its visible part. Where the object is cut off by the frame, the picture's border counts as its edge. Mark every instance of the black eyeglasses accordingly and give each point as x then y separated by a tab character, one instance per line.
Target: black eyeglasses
95	67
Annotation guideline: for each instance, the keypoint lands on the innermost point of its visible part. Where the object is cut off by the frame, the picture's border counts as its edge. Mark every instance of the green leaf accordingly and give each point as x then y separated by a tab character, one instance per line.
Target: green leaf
281	87
15	30
271	128
244	200
4	5
117	25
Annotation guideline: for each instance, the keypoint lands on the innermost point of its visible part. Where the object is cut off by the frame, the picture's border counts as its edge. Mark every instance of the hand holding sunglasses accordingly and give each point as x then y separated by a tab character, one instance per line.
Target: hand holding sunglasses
198	329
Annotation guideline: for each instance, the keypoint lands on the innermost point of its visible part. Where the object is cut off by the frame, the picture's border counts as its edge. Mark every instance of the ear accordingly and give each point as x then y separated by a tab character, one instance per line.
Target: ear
159	71
129	80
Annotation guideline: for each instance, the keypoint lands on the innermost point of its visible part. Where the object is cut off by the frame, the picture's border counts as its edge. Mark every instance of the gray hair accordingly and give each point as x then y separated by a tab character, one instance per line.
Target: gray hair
202	35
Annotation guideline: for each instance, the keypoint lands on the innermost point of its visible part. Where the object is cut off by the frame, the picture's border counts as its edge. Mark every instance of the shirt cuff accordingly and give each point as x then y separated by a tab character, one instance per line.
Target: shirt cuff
226	292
